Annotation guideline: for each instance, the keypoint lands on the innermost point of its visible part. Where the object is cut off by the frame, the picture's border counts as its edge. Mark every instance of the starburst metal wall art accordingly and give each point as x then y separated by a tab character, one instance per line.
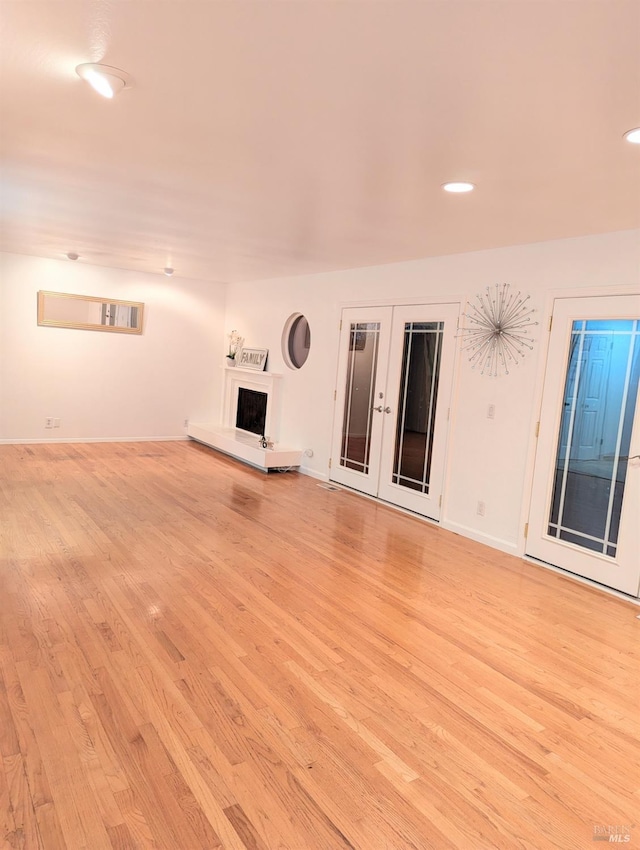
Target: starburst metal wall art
498	329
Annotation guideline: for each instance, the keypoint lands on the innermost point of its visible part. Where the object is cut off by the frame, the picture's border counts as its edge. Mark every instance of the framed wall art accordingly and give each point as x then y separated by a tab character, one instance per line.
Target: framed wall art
253	358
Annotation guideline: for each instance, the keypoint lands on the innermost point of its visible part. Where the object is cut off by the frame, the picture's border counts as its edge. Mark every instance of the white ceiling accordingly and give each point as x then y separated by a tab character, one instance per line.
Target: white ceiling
277	138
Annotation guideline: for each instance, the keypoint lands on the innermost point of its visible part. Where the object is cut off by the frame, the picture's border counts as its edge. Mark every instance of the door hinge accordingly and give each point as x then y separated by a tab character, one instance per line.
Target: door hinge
340	324
329	463
448	413
440	501
537	429
526	530
335	394
550	321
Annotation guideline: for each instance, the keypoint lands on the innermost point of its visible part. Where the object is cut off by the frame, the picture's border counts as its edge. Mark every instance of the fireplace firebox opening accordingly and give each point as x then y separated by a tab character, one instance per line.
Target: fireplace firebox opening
251	412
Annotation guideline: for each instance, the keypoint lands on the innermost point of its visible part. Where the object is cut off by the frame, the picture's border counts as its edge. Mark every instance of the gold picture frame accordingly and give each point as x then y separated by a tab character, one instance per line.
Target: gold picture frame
89	313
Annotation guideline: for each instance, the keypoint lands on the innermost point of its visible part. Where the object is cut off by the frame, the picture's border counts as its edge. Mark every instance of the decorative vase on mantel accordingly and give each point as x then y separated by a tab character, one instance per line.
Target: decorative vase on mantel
235	347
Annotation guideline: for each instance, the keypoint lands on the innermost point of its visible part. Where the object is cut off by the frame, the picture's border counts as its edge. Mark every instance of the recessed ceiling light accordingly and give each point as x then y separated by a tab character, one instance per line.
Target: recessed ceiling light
458	188
168	271
106	80
72	256
633	136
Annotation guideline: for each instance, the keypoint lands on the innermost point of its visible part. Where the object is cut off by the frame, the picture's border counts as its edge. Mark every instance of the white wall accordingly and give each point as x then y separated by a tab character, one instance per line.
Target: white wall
100	384
489	460
104	385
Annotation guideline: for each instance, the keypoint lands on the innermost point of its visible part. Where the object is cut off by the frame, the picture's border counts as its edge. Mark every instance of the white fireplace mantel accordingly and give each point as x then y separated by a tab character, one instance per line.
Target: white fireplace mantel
225	437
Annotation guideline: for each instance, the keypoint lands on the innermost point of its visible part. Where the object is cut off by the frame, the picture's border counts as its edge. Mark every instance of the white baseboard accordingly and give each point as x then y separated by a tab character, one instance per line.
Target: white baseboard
92	440
313	473
479	537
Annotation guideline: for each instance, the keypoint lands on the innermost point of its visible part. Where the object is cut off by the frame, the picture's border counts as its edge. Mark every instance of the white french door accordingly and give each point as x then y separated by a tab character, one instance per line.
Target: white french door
365	335
395	372
585	509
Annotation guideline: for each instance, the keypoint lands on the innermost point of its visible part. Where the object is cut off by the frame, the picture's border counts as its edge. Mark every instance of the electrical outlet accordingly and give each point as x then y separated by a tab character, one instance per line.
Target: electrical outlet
56	423
186	423
309	453
480	510
48	422
491	411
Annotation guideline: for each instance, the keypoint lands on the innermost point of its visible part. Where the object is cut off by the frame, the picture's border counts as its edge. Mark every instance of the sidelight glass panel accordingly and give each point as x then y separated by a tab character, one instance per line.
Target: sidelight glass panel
417	404
362	363
599	404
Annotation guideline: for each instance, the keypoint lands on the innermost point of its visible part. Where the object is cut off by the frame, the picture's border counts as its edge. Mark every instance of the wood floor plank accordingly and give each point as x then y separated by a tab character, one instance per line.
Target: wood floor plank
26	832
78	815
7	817
195	655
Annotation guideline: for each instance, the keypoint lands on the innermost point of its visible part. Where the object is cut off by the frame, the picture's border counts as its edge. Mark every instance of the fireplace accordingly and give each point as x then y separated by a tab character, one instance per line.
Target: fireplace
244	387
237	436
251	410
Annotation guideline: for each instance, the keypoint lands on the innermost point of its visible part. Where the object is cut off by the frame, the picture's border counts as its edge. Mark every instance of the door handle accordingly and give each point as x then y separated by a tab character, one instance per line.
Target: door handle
378	408
626	457
386	410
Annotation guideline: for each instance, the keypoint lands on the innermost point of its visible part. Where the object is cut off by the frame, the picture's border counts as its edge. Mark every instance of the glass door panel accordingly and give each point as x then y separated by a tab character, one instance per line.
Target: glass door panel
362	364
417	404
595	434
585	507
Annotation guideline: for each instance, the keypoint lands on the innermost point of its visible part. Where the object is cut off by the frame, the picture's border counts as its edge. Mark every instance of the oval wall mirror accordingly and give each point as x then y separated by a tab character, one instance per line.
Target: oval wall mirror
296	341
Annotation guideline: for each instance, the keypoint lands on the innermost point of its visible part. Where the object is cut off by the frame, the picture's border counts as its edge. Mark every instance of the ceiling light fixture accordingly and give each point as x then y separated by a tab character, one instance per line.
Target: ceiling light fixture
458	188
72	256
168	271
106	80
633	136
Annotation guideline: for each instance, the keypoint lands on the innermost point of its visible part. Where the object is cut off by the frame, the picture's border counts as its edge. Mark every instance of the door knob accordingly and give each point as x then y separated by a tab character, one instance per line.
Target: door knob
378	408
387	410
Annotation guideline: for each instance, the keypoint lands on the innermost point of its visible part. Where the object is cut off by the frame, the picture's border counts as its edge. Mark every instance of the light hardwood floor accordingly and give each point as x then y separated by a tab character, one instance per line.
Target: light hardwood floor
196	655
